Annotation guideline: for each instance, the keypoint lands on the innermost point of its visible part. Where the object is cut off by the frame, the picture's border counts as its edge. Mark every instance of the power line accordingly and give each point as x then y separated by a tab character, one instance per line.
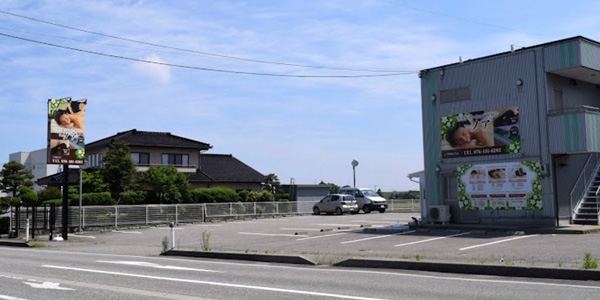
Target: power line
200	52
202	68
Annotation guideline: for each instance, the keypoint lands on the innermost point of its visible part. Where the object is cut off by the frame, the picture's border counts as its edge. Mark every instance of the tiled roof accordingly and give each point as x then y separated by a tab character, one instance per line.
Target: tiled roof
226	168
213	168
149	139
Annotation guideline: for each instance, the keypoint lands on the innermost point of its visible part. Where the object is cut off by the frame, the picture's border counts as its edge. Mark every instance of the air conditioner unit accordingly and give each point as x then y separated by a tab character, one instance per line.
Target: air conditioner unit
439	213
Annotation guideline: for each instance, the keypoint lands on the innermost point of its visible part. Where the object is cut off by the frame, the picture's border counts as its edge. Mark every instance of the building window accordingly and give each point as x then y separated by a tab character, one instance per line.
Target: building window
175	159
458	94
141	158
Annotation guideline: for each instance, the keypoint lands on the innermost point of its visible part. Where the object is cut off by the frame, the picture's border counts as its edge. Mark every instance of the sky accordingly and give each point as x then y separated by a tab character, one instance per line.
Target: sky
296	88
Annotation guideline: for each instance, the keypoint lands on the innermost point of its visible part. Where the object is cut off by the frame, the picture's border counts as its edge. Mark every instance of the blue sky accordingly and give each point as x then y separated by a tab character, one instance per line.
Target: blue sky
309	129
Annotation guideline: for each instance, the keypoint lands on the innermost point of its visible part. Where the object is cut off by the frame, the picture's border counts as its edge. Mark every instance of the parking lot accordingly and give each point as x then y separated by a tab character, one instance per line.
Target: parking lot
330	238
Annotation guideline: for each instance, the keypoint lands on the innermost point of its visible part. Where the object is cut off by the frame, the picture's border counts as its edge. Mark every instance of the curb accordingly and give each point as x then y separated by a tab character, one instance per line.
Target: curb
286	259
14	244
511	271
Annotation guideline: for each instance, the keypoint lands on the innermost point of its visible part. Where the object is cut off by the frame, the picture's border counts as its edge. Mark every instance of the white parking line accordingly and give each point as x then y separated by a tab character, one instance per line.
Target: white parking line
497	242
303	229
433	239
130	232
320	236
10	298
270	234
82	236
376	237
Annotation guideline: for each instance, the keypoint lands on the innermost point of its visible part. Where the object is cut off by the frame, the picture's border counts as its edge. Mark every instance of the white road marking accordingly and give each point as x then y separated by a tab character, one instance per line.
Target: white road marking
153	265
498	242
302	229
339	225
169	228
10	298
372	222
270	266
251	287
47	285
82	236
127	232
433	239
270	234
210	225
376	237
320	236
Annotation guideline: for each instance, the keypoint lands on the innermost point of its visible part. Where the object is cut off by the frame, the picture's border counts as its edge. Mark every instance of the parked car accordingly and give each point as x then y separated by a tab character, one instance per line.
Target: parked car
337	204
367	199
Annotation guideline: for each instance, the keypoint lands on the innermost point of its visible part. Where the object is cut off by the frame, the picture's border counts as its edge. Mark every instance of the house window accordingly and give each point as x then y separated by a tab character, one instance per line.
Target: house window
175	159
140	158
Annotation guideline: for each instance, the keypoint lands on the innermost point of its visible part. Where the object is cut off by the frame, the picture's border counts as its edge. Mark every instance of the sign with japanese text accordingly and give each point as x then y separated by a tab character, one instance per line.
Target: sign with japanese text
66	131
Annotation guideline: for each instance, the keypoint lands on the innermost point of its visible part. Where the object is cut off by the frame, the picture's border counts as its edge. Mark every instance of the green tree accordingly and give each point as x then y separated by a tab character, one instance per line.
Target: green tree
28	196
49	193
119	170
166	184
272	184
14	176
93	182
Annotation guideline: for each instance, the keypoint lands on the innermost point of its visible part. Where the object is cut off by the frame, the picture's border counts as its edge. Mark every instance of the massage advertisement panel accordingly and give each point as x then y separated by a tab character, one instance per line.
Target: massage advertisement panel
494	131
66	131
508	186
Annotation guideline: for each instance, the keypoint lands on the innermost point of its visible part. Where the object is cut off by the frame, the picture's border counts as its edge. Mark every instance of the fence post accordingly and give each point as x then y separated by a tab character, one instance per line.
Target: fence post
146	214
277	207
230	208
176	214
116	217
254	208
203	211
82	217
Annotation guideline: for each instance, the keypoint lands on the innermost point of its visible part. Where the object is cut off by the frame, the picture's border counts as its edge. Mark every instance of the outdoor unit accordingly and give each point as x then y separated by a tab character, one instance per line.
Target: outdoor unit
439	213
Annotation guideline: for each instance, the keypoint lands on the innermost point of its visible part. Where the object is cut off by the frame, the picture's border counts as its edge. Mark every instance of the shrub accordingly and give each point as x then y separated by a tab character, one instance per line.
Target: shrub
214	195
93	199
132	197
49	193
28	196
57	202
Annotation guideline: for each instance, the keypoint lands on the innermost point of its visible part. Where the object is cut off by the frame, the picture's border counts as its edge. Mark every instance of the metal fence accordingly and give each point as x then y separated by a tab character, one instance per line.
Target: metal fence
123	215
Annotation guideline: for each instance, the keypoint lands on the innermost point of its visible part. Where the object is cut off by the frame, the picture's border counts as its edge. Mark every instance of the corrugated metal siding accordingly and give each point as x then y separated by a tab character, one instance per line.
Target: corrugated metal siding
590	55
563	55
431	140
574	132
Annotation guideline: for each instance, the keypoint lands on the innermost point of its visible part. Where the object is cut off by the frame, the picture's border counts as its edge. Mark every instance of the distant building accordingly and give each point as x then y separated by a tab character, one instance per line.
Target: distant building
148	148
305	195
35	162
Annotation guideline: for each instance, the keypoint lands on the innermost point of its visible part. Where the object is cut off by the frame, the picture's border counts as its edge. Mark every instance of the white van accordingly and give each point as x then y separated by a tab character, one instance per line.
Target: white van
367	199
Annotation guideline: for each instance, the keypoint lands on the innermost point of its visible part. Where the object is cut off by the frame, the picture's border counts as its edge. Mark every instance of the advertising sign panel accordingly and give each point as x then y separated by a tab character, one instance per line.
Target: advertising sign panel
494	131
66	131
508	186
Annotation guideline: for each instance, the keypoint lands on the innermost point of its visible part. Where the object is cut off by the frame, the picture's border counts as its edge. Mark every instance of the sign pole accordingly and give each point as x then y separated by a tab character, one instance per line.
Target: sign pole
65	203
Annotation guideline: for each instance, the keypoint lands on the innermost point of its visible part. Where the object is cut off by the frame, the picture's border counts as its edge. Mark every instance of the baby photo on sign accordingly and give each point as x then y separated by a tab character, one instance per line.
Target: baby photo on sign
481	133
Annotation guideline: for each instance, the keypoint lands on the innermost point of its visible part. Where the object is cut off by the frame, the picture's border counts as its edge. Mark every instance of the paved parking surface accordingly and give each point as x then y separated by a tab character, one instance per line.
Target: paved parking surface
332	238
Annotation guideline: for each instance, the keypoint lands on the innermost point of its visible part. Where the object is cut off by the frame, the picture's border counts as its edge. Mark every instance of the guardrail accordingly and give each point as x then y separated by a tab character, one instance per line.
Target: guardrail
124	215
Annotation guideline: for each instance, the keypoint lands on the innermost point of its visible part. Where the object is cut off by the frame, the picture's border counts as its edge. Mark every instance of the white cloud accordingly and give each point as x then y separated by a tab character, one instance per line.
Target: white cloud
158	72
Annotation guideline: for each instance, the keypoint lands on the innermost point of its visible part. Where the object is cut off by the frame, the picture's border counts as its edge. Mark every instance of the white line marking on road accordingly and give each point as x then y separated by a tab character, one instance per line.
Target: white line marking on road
372	222
10	298
82	236
270	234
376	237
168	228
46	285
498	242
127	232
251	287
307	229
320	236
433	239
339	225
153	265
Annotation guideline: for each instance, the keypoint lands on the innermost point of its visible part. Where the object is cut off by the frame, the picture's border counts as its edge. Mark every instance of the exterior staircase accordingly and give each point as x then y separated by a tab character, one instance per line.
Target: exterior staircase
587	210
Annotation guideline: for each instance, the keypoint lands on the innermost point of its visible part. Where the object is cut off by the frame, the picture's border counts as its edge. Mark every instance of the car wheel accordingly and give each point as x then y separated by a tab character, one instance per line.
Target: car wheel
338	211
367	209
316	211
382	210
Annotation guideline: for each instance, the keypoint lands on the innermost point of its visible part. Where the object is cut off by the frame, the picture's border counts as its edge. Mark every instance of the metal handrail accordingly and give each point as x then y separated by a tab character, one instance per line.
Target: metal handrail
583	180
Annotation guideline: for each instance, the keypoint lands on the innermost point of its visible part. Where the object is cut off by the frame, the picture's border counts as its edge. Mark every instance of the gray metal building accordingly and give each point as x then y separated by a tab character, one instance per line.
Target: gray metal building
513	138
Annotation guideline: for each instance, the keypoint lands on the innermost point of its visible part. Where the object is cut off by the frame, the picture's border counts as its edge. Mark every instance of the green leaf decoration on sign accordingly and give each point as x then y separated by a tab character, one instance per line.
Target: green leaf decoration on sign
448	122
80	153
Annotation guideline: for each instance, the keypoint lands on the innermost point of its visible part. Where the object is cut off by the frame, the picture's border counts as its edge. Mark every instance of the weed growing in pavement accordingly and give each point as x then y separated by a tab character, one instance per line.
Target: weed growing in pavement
481	261
37	245
560	264
418	257
589	262
205	240
165	244
247	250
268	251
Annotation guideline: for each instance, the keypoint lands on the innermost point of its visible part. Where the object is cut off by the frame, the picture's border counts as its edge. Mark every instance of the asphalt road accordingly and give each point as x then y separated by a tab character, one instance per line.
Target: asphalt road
55	274
326	239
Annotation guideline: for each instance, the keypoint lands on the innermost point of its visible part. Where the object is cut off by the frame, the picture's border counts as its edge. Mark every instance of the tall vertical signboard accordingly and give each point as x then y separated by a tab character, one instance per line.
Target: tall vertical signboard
66	142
